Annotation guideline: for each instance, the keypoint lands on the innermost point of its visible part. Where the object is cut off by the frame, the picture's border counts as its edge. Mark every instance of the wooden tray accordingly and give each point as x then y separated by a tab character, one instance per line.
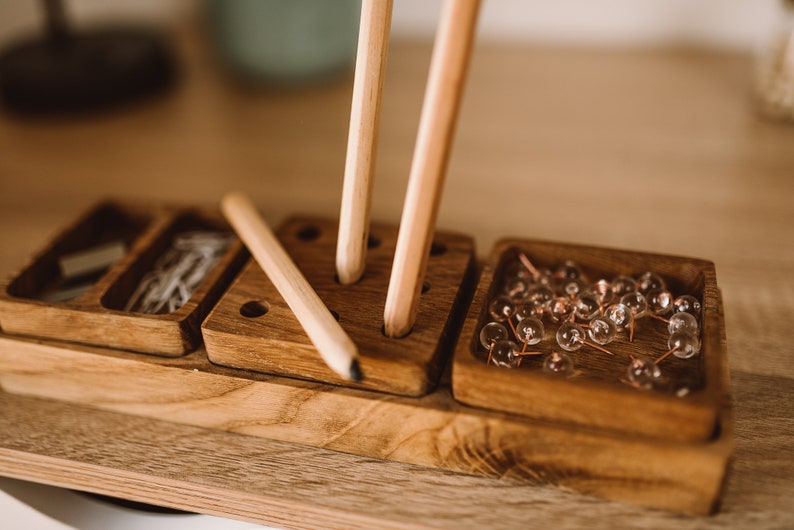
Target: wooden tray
596	396
433	431
252	327
685	474
98	316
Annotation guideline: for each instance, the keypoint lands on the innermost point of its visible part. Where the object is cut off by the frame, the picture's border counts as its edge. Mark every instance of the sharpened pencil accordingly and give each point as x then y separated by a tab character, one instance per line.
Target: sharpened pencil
332	343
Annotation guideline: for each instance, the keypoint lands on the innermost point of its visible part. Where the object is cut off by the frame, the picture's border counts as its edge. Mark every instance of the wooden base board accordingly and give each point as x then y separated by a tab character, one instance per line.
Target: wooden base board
433	430
253	328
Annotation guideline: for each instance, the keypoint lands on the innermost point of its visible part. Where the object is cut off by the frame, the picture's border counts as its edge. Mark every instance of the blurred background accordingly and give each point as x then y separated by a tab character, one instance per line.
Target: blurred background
732	24
626	123
262	105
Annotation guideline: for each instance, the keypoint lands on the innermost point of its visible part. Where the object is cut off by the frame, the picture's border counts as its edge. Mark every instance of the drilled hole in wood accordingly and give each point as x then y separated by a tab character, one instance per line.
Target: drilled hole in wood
334	314
373	242
425	287
383	331
254	309
436	249
308	233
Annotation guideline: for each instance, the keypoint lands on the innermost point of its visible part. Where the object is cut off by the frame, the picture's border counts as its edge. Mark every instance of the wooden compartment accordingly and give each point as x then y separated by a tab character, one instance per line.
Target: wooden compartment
103	224
252	328
98	315
597	395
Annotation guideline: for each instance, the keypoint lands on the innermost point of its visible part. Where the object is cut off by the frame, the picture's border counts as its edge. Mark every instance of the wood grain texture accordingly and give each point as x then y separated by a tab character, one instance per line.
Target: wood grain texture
362	139
432	431
274	342
657	150
434	140
248	478
593	396
99	316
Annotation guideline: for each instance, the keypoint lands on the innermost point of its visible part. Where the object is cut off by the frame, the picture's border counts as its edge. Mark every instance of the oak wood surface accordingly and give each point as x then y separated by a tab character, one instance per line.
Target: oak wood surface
256	479
432	431
587	131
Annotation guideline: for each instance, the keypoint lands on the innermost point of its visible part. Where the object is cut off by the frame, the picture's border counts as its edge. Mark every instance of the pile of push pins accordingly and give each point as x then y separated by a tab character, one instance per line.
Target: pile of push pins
177	273
587	316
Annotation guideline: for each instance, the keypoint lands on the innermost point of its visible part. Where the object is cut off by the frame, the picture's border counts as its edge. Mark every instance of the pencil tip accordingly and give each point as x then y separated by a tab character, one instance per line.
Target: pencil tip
355	372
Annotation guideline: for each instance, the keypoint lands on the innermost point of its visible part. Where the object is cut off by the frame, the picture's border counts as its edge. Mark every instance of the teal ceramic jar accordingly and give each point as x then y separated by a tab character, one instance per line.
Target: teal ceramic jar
285	41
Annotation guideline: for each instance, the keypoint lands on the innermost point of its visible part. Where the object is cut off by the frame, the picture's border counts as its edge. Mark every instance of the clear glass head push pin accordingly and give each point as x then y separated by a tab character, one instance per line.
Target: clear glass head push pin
571	337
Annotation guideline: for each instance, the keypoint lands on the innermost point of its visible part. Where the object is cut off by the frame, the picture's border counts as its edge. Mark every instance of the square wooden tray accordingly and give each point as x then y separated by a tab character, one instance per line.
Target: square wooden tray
596	397
98	316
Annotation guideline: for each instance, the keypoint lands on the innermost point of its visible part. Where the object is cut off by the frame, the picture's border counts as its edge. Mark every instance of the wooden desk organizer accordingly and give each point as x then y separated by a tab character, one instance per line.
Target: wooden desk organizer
98	316
252	328
596	397
546	444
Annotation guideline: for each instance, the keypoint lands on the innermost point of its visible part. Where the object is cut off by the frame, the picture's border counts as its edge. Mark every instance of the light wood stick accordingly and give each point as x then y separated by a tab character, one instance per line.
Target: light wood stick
373	41
448	67
335	347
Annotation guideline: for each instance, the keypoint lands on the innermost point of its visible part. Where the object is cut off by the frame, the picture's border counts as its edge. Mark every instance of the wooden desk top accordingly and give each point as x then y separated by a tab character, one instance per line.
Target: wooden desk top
656	151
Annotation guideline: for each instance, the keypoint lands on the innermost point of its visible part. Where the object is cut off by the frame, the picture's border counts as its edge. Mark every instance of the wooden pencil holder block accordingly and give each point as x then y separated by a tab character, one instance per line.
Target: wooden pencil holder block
252	328
597	394
98	315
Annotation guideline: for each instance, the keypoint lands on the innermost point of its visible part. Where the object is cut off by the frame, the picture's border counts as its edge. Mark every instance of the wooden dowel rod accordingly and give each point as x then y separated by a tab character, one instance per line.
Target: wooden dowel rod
443	95
373	41
333	344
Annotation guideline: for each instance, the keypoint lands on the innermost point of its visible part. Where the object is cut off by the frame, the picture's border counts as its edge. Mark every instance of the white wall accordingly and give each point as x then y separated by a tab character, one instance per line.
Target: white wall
734	24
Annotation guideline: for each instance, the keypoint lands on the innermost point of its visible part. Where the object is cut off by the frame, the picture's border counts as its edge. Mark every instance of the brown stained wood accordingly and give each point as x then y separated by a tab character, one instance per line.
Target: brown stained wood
98	317
432	431
103	223
595	396
271	340
256	479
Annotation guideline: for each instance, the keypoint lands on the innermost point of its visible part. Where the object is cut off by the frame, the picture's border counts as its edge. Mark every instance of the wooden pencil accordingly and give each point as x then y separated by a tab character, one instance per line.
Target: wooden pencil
332	343
451	52
373	41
